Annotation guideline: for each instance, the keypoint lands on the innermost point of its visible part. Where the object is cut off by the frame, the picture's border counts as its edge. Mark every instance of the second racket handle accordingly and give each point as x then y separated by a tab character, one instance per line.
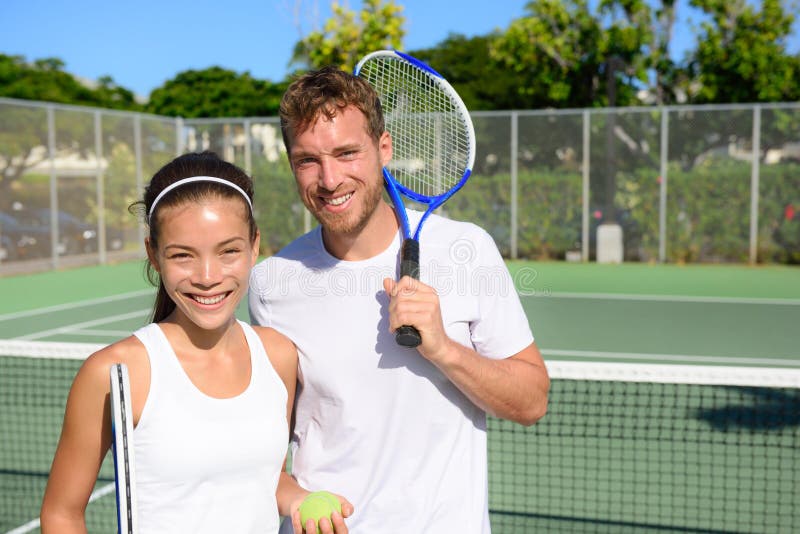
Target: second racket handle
407	335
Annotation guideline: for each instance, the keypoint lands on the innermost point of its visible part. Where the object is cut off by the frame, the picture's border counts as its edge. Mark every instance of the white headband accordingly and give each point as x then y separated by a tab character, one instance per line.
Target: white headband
183	181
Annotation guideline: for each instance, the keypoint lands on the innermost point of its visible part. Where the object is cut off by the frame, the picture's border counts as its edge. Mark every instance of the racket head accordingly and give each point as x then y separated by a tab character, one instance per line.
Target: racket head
122	448
433	145
433	138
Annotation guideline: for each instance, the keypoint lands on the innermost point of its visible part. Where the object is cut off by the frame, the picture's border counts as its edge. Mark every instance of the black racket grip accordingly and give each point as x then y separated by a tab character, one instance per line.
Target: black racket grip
409	259
407	335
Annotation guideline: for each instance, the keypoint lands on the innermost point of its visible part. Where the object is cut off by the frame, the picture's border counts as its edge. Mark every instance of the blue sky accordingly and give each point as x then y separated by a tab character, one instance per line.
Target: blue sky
142	44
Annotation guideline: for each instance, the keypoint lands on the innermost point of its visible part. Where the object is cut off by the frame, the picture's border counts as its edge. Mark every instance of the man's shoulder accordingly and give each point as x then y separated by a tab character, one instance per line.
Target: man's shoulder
305	253
277	273
303	249
453	228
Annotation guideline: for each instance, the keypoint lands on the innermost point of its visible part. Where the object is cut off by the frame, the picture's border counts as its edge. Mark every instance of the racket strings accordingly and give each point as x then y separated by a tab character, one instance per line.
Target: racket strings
430	135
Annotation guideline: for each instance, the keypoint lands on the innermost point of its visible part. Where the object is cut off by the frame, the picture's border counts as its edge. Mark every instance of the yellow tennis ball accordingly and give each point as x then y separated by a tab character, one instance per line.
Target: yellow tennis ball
318	505
334	500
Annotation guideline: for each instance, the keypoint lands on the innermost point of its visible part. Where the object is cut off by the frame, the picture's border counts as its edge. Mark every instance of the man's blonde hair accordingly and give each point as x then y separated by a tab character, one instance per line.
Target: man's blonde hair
328	91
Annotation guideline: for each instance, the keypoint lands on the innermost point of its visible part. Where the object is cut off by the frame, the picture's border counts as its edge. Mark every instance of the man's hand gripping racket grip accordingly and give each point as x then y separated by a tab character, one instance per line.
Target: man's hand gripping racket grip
407	335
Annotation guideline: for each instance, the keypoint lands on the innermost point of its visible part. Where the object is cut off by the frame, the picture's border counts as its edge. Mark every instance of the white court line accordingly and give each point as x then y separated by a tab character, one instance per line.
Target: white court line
793	361
35	523
107	333
672	298
78	304
79	326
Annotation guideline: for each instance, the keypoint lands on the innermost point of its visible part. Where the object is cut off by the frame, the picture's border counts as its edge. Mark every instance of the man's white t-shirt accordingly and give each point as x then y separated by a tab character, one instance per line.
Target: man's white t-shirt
376	422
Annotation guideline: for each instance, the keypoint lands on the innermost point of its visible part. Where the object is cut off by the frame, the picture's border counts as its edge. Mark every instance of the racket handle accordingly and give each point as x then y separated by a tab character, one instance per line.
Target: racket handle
407	335
409	259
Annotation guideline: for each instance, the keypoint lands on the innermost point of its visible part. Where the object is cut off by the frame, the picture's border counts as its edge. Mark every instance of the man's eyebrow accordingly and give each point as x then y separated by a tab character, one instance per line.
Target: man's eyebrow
337	149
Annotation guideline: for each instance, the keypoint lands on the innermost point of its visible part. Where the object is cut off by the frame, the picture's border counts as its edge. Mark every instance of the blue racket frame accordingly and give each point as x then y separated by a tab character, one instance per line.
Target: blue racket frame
395	189
409	265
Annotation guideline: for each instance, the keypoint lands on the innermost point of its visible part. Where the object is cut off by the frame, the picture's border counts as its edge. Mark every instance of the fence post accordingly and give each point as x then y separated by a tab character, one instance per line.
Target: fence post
514	182
180	146
100	188
754	181
662	198
248	156
137	156
585	195
51	154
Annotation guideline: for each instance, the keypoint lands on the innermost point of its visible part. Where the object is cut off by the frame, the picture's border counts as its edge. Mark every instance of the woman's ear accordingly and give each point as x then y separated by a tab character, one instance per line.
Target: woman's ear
151	255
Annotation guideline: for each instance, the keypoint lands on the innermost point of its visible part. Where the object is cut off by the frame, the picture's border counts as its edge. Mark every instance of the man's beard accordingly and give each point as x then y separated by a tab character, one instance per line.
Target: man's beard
350	222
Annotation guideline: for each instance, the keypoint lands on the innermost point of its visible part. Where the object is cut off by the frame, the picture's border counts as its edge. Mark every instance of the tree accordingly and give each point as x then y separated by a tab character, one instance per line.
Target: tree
568	56
660	61
741	53
22	129
215	92
561	52
46	80
482	82
622	46
345	39
24	133
111	95
552	50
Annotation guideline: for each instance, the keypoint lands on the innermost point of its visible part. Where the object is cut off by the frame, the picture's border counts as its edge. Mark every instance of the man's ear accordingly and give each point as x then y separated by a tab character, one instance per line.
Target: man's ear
385	148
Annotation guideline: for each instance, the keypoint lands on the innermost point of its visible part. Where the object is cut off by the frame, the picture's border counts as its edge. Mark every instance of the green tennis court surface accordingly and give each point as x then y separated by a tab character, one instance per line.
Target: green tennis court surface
709	445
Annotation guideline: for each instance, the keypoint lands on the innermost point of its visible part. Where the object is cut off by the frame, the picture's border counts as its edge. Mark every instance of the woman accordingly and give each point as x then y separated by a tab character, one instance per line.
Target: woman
212	396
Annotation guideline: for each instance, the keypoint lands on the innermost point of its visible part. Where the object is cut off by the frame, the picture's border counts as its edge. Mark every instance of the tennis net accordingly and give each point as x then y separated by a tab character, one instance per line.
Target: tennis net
35	378
653	448
623	448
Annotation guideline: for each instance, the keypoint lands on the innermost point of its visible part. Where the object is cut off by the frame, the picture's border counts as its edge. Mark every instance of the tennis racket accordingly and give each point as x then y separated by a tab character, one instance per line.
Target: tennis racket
122	446
433	144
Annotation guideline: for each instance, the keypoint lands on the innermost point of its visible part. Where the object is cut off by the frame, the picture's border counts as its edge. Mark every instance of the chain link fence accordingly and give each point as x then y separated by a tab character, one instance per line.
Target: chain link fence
684	183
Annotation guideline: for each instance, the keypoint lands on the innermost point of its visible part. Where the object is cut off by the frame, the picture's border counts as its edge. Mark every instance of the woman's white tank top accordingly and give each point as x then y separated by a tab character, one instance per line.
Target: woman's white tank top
203	464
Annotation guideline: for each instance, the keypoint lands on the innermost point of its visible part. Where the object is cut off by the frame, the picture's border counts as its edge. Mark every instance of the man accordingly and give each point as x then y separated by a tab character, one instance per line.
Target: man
399	432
